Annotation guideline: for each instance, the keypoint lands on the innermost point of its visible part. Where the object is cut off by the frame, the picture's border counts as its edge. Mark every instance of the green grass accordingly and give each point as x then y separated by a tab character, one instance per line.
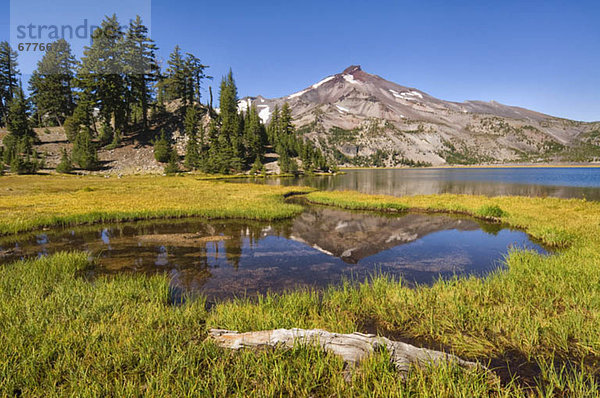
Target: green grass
64	335
30	202
538	320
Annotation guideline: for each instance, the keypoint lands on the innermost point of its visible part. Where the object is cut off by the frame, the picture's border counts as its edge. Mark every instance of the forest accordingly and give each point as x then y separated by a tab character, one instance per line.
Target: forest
119	91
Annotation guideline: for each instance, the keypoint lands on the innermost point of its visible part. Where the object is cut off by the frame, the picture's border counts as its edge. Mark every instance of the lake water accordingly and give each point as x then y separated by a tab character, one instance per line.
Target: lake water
562	182
321	246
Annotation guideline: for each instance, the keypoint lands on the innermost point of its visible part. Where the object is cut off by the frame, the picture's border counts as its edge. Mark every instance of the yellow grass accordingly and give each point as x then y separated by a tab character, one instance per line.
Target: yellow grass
28	202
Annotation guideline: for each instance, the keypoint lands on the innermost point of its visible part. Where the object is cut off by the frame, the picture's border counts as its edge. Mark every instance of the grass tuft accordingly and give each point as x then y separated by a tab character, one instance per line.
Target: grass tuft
490	211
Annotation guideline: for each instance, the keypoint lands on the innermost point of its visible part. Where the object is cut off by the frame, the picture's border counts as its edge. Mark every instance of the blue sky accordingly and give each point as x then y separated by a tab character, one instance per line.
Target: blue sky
542	55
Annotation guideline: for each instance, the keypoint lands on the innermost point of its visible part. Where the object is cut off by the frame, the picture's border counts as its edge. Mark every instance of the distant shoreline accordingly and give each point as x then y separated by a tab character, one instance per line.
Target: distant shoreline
491	166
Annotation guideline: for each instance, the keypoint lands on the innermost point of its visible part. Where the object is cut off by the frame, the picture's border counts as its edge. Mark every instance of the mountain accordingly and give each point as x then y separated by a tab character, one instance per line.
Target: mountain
362	119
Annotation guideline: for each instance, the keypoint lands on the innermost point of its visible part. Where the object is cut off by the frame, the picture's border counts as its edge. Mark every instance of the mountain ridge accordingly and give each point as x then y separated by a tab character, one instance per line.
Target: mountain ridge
363	119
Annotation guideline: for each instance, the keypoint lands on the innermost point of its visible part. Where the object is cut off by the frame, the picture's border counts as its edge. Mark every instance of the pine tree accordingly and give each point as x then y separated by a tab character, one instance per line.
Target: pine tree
9	73
18	116
19	142
273	128
190	122
254	135
231	142
65	166
84	150
50	83
257	167
172	167
106	134
192	154
82	117
163	149
194	76
192	150
173	85
101	74
141	68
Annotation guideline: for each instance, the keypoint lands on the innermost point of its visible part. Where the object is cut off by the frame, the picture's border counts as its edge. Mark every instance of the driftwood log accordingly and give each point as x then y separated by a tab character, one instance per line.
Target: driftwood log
353	348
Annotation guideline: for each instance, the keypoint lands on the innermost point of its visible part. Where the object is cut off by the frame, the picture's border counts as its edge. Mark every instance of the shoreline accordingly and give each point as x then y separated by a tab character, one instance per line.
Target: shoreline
490	166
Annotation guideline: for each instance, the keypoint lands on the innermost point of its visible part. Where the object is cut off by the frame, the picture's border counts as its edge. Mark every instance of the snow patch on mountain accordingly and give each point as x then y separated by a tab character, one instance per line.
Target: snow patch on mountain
406	95
351	79
298	94
317	85
342	109
264	113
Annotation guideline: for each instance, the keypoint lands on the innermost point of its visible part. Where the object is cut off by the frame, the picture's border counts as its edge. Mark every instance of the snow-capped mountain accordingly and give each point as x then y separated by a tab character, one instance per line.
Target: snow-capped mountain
364	119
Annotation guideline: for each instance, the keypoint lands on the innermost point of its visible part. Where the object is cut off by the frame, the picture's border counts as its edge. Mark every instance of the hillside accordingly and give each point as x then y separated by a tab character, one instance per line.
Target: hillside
362	119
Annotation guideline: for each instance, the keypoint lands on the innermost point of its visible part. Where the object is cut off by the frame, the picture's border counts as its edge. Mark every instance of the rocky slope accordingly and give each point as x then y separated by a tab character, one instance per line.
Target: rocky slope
362	119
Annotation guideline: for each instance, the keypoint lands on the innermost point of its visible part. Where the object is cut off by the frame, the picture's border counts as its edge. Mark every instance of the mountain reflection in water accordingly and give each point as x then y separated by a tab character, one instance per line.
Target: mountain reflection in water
322	246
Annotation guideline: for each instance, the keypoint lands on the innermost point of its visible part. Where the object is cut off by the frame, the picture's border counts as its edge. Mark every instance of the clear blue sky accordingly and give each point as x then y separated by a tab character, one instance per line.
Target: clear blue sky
542	55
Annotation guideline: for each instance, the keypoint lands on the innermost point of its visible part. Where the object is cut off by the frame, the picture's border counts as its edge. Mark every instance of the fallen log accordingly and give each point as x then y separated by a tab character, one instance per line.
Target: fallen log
353	347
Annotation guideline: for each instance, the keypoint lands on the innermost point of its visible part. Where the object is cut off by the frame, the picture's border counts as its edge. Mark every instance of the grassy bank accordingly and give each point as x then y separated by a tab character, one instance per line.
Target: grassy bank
28	202
536	324
62	335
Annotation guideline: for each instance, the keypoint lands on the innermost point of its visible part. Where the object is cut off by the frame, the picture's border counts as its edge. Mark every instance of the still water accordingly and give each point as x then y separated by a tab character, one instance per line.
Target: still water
561	182
320	247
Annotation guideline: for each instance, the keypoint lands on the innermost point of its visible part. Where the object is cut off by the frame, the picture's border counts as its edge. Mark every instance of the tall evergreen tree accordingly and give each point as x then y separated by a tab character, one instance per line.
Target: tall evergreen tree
231	131
50	83
19	152
9	73
174	83
101	73
141	68
18	122
192	150
254	136
183	78
195	74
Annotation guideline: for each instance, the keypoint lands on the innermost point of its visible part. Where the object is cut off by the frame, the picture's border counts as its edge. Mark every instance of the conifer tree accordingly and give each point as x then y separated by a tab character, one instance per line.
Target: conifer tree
163	148
174	83
101	73
192	154
82	117
141	68
231	142
254	135
66	165
257	167
50	83
18	116
19	142
195	74
9	73
190	122
172	166
84	150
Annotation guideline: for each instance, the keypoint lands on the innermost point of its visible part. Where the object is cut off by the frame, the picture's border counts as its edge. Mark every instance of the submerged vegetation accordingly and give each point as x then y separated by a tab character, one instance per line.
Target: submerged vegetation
535	324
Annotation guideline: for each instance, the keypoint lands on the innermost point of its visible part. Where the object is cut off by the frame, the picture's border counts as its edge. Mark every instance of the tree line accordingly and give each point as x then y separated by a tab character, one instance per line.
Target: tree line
118	88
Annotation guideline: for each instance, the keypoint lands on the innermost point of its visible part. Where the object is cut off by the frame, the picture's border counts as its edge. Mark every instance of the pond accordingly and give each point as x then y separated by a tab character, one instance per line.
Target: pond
561	182
320	247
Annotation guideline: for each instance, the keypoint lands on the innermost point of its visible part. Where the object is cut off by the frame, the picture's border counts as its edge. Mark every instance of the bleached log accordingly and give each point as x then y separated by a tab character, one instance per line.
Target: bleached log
353	348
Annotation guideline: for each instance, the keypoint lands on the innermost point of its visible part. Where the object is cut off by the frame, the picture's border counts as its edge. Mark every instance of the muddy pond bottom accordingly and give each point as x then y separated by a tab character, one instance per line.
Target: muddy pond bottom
320	247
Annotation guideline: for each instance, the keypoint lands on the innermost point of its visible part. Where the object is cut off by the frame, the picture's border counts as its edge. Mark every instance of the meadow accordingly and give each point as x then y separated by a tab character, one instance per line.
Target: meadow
30	202
535	324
